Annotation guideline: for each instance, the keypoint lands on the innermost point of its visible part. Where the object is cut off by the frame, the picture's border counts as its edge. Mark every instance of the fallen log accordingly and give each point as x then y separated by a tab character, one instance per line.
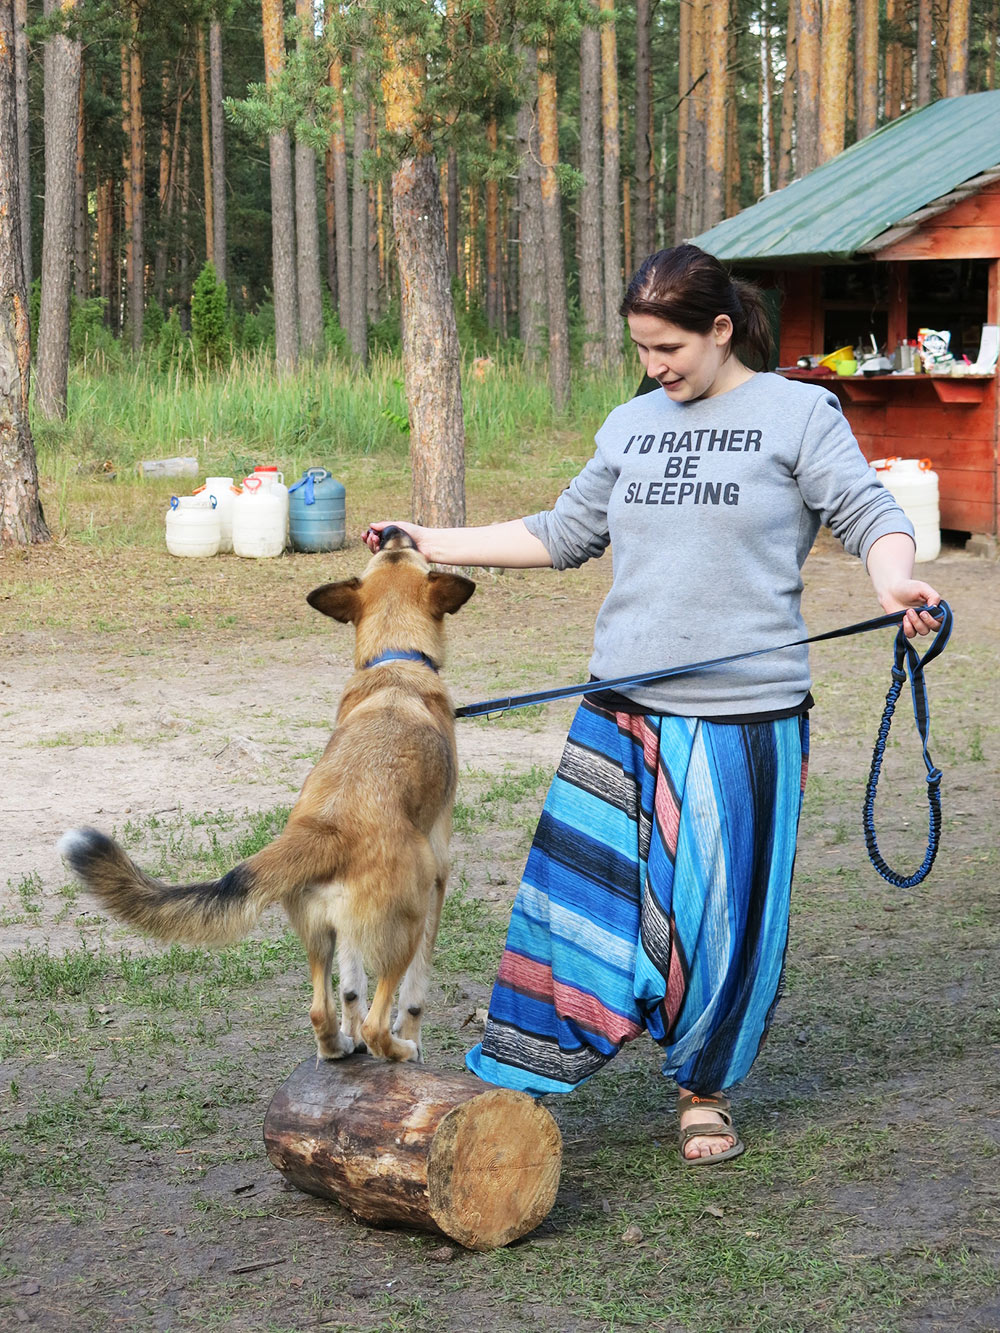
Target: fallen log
404	1145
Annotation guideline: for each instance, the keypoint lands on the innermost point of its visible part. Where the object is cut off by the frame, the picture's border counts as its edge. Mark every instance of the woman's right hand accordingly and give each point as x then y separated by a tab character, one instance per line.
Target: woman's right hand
372	534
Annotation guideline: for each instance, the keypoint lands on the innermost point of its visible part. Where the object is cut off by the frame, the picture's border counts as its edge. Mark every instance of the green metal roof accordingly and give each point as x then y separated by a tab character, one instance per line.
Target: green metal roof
840	207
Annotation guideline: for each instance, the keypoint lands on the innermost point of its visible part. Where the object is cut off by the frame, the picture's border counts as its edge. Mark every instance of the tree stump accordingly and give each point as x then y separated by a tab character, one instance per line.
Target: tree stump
404	1145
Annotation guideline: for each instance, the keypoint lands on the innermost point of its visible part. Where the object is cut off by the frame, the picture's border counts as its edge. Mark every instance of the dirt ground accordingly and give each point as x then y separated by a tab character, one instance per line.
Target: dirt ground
872	1109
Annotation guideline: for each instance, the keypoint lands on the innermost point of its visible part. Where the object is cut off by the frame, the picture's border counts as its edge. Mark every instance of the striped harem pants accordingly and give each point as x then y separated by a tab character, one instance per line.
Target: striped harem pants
655	896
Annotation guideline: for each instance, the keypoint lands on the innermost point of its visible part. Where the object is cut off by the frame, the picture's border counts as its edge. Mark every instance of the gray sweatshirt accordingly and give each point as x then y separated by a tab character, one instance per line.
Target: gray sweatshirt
711	508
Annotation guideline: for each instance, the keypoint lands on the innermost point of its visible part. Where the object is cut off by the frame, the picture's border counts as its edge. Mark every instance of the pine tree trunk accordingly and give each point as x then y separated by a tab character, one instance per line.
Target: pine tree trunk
62	83
807	88
925	53
206	146
431	357
184	243
992	26
940	19
681	206
286	325
716	53
431	354
81	238
767	103
698	115
611	185
341	201
472	248
894	13
21	520
137	184
330	215
733	160
958	49
160	260
643	146
834	77
866	65
357	328
591	276
492	235
555	269
530	248
372	307
23	135
788	97
105	248
307	220
218	149
126	182
453	188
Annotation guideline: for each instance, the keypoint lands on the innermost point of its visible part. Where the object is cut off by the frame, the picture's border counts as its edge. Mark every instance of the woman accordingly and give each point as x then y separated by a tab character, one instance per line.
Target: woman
657	888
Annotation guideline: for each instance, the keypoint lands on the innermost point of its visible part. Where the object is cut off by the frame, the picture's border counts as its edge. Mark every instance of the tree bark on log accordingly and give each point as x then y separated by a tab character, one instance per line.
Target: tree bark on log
404	1145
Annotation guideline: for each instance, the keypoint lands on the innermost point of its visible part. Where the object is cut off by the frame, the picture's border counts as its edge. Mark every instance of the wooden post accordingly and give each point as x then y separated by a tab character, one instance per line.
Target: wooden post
401	1144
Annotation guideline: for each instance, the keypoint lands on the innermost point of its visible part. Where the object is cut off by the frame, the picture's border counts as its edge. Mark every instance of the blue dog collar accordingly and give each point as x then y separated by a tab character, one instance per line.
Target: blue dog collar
400	655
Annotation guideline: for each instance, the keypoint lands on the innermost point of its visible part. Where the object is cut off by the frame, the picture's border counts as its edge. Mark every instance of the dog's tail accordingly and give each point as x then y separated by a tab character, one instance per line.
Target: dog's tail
214	912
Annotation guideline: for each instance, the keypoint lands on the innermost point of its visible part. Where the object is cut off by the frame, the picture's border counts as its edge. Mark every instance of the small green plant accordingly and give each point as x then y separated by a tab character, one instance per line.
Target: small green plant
976	752
172	344
210	332
29	890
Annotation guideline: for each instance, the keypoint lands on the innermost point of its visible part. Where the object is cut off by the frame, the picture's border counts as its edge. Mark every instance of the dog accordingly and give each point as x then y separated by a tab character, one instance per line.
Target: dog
361	865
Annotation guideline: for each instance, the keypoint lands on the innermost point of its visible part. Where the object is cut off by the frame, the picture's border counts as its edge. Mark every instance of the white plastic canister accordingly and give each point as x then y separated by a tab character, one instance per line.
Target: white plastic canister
225	492
271	477
258	521
193	527
914	486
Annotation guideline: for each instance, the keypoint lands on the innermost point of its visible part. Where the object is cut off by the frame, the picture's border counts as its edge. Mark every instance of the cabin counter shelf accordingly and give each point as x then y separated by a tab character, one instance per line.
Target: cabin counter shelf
952	390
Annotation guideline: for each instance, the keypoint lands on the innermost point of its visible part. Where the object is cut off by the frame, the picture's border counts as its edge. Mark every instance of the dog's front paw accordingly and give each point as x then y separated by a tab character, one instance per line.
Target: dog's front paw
334	1050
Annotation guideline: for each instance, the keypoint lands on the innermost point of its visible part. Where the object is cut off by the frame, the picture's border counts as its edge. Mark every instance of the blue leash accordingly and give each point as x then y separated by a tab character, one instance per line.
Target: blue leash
906	659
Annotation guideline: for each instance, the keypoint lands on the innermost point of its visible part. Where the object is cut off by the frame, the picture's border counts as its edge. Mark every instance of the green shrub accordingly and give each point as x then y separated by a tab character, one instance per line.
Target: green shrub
210	334
173	345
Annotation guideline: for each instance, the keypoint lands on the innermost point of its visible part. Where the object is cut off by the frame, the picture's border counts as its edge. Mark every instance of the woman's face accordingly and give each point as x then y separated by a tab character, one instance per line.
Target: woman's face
686	365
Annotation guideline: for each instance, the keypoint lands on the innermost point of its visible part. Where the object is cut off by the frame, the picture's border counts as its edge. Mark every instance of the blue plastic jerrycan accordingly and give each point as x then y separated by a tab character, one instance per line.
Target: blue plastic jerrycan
316	512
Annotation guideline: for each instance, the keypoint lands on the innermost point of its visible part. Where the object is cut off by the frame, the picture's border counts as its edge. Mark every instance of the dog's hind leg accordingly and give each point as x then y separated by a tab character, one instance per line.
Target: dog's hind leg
331	1043
405	936
413	991
353	993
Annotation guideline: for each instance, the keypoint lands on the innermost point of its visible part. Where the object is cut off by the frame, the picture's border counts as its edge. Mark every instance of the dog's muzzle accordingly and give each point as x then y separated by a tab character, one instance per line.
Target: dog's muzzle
395	539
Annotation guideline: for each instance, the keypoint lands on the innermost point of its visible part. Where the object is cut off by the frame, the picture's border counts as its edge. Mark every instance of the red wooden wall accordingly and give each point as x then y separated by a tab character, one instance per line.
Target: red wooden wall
953	422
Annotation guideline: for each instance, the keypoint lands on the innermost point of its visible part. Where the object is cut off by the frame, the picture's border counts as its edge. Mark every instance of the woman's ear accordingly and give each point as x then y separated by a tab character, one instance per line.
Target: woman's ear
722	330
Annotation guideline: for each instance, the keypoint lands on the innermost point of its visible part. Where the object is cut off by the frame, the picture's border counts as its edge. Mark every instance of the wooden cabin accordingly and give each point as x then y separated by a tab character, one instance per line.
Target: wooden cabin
899	232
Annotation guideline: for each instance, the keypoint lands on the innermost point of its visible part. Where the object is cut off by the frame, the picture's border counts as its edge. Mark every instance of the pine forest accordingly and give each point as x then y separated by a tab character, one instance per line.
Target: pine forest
194	182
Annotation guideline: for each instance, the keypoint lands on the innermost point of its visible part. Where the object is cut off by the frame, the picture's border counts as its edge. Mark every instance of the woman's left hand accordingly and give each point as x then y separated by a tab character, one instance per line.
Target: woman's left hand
906	594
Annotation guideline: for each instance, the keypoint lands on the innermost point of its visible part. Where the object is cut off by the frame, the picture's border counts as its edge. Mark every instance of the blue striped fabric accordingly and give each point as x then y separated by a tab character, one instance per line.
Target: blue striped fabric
655	897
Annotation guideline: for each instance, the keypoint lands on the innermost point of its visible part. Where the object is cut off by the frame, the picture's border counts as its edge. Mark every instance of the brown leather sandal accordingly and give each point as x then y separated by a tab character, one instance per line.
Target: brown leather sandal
711	1129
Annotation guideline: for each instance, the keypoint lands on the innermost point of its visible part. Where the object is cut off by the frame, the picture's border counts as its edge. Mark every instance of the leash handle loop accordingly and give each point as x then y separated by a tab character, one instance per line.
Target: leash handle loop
907	661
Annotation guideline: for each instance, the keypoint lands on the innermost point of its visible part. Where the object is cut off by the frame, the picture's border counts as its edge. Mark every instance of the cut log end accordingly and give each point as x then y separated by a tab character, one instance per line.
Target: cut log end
401	1144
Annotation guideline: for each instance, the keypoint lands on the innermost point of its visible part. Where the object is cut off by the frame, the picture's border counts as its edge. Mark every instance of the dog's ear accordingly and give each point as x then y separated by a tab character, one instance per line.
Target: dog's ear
447	592
339	600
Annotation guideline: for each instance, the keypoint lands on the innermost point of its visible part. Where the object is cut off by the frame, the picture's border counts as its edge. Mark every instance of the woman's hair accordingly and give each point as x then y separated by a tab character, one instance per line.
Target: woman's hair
690	288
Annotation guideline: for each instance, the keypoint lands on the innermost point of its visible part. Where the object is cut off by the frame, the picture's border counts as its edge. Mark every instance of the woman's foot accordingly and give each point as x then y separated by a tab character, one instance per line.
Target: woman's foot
703	1113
